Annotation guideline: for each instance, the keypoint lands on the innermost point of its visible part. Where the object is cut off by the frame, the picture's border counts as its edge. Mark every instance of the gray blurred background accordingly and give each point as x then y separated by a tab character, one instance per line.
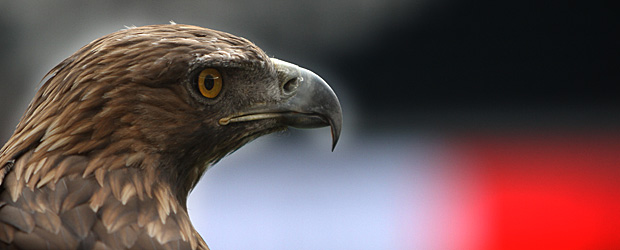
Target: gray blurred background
409	73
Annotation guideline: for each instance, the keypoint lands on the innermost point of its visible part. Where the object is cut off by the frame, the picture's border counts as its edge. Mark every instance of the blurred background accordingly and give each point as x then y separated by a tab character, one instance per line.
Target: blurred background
467	125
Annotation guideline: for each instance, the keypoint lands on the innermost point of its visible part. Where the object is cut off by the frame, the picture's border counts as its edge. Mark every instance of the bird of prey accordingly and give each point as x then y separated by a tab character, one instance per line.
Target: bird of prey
122	130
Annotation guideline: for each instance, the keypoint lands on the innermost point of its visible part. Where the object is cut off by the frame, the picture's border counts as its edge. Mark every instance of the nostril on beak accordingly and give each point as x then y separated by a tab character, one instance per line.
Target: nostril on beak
291	85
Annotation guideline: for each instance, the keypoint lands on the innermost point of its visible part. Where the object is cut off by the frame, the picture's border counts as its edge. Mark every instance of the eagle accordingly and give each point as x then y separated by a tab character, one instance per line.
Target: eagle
122	130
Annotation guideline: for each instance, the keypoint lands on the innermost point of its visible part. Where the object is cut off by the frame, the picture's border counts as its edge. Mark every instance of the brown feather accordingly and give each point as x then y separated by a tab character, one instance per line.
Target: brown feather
48	220
127	193
27	201
148	213
145	241
79	220
127	236
74	164
43	202
58	194
168	232
32	240
13	186
99	198
139	186
7	232
107	240
116	215
80	193
17	217
20	167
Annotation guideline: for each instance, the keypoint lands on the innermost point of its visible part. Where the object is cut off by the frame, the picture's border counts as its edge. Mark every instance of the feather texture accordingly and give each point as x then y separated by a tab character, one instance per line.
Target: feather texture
107	151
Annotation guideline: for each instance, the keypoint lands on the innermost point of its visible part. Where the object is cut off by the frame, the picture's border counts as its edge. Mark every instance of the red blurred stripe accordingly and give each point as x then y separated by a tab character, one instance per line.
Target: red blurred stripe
549	192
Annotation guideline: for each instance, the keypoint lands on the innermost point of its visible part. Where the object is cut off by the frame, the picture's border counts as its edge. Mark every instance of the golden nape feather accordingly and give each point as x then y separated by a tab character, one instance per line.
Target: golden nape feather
121	131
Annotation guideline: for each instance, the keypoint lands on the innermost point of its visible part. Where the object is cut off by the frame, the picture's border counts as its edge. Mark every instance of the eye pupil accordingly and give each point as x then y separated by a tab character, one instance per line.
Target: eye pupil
209	82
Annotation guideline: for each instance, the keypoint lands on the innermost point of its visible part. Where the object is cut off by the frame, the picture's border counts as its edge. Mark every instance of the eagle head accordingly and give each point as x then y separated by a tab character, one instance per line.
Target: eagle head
142	112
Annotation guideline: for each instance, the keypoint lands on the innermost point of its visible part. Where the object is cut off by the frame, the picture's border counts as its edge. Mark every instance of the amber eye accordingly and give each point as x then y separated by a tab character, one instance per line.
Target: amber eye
210	82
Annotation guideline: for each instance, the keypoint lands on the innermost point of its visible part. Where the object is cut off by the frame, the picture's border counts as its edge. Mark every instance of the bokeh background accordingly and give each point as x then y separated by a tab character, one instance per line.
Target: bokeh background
467	125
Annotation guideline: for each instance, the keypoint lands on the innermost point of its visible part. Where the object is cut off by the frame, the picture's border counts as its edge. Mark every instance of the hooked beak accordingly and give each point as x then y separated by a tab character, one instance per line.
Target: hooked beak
310	102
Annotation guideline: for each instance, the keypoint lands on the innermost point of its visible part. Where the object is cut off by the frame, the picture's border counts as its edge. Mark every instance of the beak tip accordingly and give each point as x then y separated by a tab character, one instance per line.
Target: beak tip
335	135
